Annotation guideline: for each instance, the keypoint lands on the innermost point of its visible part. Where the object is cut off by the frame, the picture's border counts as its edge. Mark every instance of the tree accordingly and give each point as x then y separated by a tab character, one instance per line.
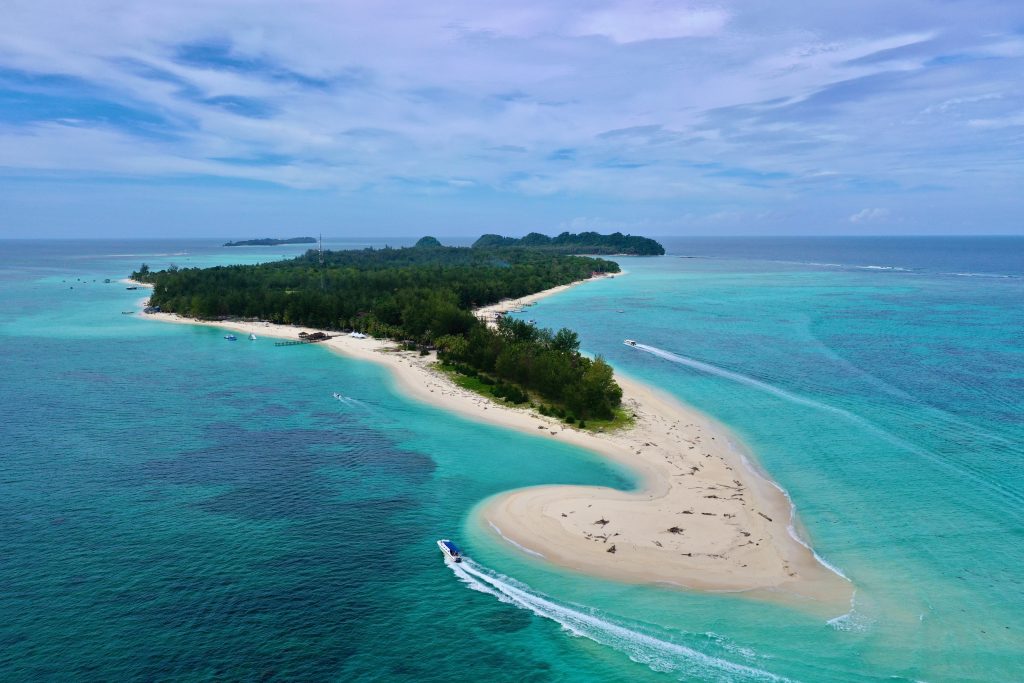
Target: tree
566	341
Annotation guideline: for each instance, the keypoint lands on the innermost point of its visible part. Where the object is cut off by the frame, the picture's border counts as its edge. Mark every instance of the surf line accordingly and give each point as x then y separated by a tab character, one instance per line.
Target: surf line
817	405
658	654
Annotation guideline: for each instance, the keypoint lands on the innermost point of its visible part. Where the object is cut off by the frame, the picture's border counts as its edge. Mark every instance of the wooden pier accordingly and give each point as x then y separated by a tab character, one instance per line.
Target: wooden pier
313	339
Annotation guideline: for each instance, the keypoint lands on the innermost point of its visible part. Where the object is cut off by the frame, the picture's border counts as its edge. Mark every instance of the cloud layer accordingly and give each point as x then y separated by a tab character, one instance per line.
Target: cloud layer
673	114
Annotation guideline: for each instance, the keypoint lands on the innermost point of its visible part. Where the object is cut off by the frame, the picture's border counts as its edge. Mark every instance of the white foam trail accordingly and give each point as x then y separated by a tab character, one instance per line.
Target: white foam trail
998	276
962	469
792	510
658	654
521	547
783	394
821	560
893	268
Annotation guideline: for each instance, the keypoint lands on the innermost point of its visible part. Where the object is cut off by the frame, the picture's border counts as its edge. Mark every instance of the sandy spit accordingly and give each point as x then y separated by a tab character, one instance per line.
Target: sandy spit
701	519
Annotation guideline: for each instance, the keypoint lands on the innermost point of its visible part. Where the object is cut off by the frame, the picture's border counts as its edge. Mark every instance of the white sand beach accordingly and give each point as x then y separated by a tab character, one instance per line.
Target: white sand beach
702	518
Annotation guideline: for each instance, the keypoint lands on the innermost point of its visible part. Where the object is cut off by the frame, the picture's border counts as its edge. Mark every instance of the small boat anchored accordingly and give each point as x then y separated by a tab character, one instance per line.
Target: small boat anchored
450	550
230	337
629	342
252	336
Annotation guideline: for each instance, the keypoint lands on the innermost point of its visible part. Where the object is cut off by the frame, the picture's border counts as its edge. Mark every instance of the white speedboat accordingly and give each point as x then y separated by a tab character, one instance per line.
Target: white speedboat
450	550
629	342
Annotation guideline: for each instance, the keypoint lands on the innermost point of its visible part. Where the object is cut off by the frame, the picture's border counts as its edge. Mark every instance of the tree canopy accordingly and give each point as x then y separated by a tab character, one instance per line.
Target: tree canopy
582	243
423	295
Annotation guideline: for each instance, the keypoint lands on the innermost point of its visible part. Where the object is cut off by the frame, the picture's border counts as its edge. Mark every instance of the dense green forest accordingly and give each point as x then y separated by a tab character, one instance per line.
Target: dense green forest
423	294
582	243
538	360
270	242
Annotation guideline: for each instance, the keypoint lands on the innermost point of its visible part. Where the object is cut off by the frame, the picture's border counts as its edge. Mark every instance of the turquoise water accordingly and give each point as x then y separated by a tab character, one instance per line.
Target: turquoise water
178	507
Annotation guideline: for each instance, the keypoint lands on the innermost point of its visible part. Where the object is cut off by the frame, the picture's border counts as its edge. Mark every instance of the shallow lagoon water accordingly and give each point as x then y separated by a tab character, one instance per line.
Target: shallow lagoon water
176	506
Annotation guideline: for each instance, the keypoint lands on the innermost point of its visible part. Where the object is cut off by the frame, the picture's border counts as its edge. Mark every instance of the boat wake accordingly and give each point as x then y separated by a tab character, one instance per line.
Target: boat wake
961	469
347	399
658	654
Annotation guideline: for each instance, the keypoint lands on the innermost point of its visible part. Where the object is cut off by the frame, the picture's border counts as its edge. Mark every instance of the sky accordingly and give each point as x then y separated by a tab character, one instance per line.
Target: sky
244	118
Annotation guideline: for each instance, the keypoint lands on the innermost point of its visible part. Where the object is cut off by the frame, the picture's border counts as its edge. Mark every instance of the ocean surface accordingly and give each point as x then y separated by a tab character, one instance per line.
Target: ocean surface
174	506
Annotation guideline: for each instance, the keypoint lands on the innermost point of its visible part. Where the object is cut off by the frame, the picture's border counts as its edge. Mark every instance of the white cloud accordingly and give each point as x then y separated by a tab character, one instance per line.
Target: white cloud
999	122
359	95
869	215
628	22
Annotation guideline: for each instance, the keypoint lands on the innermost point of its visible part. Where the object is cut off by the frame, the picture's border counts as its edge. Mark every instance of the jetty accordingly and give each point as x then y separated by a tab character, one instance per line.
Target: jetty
305	338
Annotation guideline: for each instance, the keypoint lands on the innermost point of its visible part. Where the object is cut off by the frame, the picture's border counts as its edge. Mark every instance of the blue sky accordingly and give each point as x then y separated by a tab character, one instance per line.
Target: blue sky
244	118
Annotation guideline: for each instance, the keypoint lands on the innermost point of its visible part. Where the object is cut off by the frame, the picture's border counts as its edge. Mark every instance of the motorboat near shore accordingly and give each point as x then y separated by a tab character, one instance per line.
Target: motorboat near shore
629	342
450	549
230	337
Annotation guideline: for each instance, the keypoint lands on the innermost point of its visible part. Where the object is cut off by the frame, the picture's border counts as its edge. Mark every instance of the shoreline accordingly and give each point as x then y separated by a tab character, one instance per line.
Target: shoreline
702	518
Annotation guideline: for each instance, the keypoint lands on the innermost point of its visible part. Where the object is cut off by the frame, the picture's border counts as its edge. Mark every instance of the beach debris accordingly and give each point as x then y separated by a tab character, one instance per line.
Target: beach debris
601	521
765	516
709	514
611	549
676	530
658	543
686	512
745	533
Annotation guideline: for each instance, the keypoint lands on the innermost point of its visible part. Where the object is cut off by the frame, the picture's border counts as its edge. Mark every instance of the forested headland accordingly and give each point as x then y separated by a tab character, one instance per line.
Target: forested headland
424	295
582	243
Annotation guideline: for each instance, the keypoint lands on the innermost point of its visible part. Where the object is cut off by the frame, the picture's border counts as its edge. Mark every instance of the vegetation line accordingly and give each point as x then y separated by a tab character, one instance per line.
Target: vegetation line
422	295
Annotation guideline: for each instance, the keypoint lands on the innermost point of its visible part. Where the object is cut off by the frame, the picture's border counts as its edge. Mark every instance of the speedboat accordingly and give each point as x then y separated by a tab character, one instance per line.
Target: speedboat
230	337
450	550
629	342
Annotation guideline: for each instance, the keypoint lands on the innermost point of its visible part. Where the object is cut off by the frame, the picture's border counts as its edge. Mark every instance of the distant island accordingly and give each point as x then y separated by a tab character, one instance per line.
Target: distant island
582	243
271	242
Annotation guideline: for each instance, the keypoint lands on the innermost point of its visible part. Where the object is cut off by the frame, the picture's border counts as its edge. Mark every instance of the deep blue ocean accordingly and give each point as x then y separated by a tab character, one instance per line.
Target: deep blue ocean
177	507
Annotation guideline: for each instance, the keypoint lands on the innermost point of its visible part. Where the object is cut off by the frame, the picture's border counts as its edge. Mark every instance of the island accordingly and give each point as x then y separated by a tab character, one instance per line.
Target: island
423	296
443	321
582	243
271	242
